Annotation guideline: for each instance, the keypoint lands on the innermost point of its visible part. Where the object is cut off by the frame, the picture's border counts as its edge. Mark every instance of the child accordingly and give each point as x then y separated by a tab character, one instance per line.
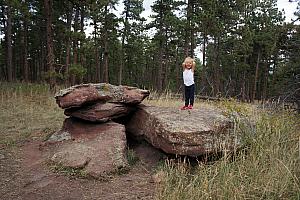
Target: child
189	84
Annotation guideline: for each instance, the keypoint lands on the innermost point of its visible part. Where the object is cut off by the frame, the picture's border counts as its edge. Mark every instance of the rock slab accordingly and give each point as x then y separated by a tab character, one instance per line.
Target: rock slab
79	95
184	132
99	149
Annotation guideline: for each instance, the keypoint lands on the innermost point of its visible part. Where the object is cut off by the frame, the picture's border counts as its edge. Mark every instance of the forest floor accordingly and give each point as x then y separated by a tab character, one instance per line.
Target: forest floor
25	174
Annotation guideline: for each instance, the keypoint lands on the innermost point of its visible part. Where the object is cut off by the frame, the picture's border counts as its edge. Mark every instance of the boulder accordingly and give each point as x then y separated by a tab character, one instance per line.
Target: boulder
78	95
100	112
99	149
184	132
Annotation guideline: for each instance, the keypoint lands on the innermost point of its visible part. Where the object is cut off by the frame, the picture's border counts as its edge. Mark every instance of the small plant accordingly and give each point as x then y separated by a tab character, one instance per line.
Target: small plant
132	158
69	171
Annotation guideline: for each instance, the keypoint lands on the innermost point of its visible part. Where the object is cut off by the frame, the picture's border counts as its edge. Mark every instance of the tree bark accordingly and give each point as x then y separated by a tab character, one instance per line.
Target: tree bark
106	47
9	45
203	75
187	47
124	36
255	78
50	55
160	54
125	33
75	41
192	28
68	44
25	56
265	85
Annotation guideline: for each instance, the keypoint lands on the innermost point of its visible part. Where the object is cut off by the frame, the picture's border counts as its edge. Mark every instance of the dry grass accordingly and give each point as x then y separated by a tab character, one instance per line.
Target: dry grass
27	111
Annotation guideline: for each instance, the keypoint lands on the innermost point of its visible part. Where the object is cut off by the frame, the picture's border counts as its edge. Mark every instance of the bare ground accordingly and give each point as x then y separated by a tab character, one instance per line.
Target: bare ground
24	174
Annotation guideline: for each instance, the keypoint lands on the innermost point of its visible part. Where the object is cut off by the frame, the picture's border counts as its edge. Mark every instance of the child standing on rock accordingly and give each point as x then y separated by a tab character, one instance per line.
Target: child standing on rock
189	84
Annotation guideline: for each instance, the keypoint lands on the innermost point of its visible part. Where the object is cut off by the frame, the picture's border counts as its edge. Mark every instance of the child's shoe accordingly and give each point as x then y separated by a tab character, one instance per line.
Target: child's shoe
190	107
184	108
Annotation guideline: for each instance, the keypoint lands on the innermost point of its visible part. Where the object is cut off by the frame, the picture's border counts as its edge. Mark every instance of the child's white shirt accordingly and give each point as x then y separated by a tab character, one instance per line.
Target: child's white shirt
188	77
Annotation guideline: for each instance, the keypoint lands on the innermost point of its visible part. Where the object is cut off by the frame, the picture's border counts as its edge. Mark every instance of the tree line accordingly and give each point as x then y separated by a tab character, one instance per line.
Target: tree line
248	51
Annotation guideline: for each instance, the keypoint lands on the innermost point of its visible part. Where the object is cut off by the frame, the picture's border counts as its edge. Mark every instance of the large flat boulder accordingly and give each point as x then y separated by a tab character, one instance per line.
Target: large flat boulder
100	112
78	95
183	132
99	149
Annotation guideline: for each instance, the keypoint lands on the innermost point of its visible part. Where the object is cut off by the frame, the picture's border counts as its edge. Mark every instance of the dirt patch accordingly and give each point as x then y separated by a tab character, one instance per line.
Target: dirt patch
26	175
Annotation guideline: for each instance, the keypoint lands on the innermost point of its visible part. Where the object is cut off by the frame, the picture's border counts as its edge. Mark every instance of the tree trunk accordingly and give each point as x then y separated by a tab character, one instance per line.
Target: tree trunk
255	78
203	75
265	85
68	44
187	47
50	55
160	55
192	29
82	56
106	47
217	68
243	85
25	56
9	45
75	41
125	33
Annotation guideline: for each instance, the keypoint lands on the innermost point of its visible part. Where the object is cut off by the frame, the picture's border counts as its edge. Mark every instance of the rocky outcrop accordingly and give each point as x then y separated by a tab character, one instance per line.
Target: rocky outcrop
88	139
79	95
189	132
99	149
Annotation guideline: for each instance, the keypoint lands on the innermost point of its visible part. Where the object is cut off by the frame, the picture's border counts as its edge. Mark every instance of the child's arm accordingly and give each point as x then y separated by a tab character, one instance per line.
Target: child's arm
193	66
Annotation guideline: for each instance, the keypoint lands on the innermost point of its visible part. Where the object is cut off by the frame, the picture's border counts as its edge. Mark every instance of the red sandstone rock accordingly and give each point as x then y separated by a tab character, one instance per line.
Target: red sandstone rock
79	95
100	149
188	132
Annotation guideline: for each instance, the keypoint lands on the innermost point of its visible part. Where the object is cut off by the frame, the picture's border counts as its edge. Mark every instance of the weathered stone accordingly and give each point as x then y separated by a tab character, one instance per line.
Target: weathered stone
59	136
183	132
100	112
100	149
78	95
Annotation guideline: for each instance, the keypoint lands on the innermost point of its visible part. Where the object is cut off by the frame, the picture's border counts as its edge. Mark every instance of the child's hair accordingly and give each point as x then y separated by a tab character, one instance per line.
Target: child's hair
189	59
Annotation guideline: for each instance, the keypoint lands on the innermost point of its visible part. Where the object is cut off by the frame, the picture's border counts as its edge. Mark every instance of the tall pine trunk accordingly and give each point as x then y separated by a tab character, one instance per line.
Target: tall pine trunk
68	44
203	75
160	54
50	55
265	81
25	53
82	54
9	44
255	78
106	47
124	35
